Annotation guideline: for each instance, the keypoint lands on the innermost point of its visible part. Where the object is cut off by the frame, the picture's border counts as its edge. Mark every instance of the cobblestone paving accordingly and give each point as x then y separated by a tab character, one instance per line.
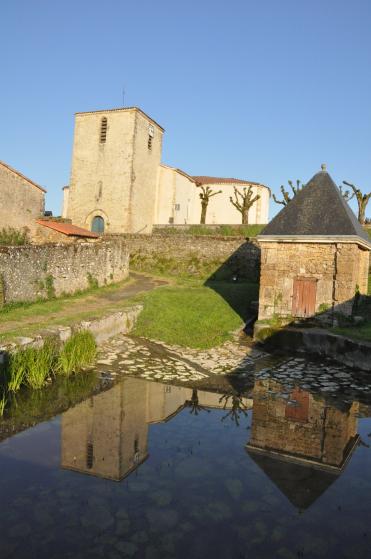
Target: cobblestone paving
153	360
325	377
156	361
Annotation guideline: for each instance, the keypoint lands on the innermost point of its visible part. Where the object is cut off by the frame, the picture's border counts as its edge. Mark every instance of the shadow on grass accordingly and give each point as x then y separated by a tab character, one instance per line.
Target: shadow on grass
237	281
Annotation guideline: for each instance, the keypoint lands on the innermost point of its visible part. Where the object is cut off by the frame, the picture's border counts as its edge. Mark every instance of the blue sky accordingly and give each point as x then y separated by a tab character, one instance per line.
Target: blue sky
264	90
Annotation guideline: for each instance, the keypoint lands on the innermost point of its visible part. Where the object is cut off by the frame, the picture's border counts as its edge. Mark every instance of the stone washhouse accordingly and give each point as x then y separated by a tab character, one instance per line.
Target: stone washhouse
314	255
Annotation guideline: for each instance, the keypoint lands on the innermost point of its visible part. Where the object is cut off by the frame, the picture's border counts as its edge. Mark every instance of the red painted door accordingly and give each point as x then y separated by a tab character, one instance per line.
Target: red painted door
300	412
304	297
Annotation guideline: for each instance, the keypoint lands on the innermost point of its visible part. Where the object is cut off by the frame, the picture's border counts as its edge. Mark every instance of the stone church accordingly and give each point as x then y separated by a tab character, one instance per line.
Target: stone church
119	185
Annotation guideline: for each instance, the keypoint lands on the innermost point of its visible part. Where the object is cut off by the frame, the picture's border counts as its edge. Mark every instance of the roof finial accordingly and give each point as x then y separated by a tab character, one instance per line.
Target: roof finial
323	167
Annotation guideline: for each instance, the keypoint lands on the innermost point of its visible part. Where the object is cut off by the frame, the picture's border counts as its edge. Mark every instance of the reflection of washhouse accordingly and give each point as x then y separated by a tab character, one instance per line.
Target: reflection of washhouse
107	435
303	447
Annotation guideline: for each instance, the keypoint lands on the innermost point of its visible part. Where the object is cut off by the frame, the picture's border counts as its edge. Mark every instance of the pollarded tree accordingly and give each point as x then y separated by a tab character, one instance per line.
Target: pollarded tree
243	201
362	200
287	196
205	196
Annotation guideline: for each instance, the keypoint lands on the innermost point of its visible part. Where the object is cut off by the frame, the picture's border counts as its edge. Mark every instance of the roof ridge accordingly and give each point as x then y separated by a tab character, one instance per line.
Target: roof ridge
221	180
21	175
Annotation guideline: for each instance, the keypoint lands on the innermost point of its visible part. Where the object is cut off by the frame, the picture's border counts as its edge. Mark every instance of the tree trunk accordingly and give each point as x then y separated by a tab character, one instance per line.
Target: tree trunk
245	216
362	211
203	212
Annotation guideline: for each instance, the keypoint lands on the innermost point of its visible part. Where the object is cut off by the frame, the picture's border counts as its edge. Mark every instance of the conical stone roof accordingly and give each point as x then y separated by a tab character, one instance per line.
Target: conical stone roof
301	484
317	210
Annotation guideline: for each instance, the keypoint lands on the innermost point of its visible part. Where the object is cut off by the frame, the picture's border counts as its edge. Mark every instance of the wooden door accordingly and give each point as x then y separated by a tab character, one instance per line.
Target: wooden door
300	412
304	297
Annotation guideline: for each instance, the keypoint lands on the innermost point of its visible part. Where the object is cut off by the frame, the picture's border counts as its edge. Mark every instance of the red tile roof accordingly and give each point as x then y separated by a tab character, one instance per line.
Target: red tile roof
218	180
9	168
67	229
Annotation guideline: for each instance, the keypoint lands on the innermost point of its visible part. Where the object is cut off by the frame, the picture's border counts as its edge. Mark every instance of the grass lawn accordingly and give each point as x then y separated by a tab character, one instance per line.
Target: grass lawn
26	319
195	315
186	312
362	332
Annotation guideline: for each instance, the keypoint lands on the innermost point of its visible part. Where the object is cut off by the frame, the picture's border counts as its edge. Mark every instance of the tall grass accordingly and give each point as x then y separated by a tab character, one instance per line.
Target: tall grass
32	366
41	362
3	402
78	352
16	370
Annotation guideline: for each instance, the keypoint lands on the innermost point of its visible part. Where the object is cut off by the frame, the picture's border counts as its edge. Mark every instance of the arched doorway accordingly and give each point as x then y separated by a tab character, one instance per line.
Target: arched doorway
97	225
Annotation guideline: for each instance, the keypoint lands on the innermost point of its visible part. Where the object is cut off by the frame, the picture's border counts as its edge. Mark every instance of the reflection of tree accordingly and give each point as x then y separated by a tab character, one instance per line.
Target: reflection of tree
237	407
194	404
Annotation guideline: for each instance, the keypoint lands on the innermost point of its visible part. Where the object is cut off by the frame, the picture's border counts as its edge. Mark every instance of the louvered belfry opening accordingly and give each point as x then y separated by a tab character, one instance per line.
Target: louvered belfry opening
103	130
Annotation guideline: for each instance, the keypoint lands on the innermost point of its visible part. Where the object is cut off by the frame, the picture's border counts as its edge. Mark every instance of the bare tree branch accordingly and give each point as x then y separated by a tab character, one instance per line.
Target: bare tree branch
362	200
205	195
243	201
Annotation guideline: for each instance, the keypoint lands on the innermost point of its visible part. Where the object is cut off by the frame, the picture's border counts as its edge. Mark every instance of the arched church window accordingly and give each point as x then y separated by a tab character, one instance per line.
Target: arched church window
97	225
103	130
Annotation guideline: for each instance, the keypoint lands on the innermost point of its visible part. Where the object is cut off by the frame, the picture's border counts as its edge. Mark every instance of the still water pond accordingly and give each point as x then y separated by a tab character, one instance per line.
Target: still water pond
271	464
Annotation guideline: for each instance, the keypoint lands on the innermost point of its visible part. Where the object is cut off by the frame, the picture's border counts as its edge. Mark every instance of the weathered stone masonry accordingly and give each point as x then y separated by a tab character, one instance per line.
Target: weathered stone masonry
31	272
338	268
192	254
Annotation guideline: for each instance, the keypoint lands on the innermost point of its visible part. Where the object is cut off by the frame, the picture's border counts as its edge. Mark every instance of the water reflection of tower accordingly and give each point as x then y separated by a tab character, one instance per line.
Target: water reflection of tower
107	435
302	447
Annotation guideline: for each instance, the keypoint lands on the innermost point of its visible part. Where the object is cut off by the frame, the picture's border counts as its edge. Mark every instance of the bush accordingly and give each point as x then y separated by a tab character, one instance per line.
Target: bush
12	237
78	352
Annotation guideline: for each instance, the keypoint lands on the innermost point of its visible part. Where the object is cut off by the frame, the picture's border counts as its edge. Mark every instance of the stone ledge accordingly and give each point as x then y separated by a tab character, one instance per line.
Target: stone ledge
316	341
104	328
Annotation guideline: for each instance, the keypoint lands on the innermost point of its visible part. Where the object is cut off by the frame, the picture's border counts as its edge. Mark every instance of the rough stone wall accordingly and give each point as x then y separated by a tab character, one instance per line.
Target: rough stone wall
364	270
115	179
21	203
321	434
31	272
337	267
200	256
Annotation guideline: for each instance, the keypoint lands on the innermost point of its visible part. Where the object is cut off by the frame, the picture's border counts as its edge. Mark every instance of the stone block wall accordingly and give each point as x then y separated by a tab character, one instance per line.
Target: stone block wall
311	434
206	257
340	269
32	272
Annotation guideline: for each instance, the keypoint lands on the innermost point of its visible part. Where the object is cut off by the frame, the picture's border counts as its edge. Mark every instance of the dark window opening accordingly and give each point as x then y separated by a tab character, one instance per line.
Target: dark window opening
103	130
89	456
97	225
149	142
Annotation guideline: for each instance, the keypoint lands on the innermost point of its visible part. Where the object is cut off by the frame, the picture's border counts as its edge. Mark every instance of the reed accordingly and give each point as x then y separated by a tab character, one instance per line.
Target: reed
16	370
78	352
3	402
40	363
